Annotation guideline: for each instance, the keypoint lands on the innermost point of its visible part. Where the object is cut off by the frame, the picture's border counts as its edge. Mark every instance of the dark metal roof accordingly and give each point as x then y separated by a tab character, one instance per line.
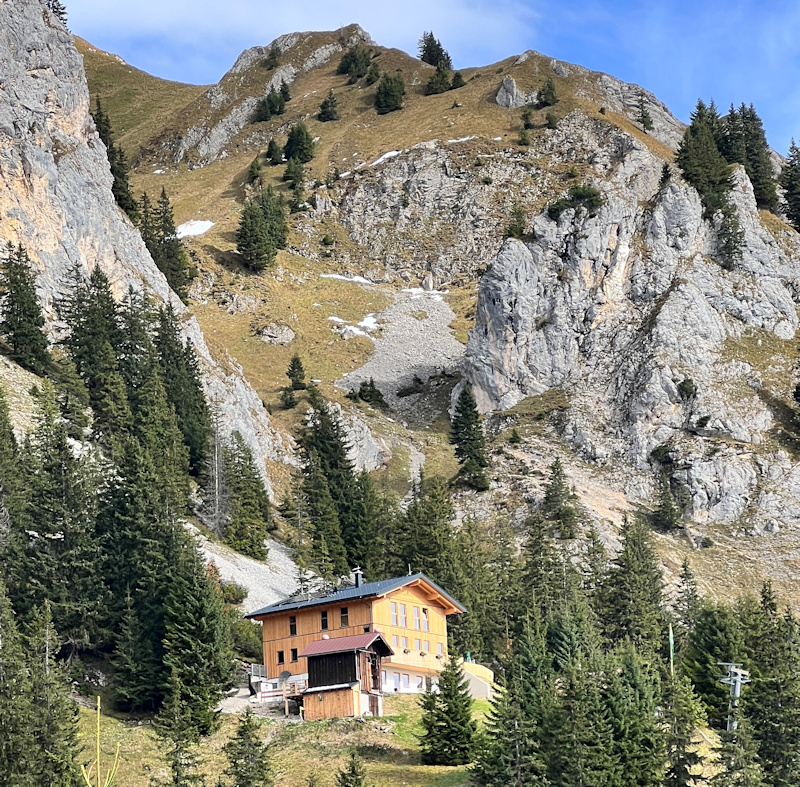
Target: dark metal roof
352	593
341	644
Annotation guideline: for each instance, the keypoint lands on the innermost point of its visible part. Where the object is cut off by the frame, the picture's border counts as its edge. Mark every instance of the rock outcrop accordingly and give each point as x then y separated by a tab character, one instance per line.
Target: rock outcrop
55	196
628	310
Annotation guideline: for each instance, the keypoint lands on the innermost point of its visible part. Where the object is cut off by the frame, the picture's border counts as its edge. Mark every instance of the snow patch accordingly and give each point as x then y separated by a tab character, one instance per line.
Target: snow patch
418	292
369	323
158	171
385	157
497	139
462	139
337	320
353	279
193	228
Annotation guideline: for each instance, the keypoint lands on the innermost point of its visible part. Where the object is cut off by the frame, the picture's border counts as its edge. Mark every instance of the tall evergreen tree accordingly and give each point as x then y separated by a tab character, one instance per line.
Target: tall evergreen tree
790	182
299	144
247	755
558	505
547	96
390	92
22	325
296	373
355	62
172	259
273	208
58	9
738	756
682	714
253	242
643	116
469	441
121	187
329	108
447	720
432	52
274	152
439	81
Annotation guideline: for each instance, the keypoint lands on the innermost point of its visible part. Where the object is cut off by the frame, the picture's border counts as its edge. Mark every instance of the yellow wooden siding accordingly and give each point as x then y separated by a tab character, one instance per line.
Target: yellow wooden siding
332	704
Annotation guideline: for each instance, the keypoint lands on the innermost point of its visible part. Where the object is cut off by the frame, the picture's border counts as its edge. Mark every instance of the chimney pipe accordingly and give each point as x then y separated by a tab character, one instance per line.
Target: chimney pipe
358	576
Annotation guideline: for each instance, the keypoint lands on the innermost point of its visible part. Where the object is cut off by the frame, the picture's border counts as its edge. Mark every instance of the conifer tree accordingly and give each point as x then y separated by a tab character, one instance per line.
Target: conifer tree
285	92
180	373
390	92
197	648
58	9
547	96
439	81
17	744
687	605
373	73
643	117
738	756
71	394
250	517
299	144
790	182
667	515
275	102
54	714
467	436
432	52
253	242
355	62
273	209
294	173
273	58
329	108
558	504
247	755
353	774
22	324
458	81
111	410
631	594
682	714
274	152
447	720
121	187
172	260
540	574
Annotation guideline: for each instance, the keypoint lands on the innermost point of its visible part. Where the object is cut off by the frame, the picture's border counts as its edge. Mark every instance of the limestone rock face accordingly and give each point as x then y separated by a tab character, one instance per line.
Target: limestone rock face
56	200
511	97
629	311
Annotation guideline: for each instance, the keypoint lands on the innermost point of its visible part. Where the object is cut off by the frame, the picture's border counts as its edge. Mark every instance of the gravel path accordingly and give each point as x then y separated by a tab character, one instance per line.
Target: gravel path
410	345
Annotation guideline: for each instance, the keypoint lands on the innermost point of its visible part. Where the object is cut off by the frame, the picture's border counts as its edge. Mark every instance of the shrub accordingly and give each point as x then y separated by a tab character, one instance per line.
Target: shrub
579	196
686	388
373	74
390	92
514	438
527	117
287	398
516	225
327	240
524	137
547	96
247	638
355	62
232	592
458	81
551	120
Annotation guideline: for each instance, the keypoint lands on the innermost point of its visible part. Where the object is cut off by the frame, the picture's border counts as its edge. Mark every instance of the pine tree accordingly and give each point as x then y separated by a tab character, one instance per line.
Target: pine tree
273	58
22	325
58	9
111	410
197	648
353	773
17	744
667	515
643	117
439	81
274	152
329	108
687	604
682	714
547	96
457	82
121	187
285	92
54	714
790	182
542	569
631	596
447	720
467	436
172	261
738	756
250	517
299	144
275	102
253	242
432	52
355	62
294	173
247	755
390	92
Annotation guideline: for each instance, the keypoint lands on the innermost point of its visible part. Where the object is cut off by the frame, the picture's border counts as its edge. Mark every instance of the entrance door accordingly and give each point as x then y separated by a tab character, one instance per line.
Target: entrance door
373	704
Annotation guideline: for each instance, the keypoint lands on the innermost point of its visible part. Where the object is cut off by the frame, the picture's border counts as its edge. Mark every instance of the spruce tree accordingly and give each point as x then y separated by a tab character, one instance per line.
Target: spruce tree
247	755
22	324
667	515
631	596
432	52
273	209
790	182
329	108
54	714
253	242
296	373
58	9
17	744
390	92
299	144
738	758
173	261
558	505
467	436
285	92
682	714
121	187
458	81
353	773
447	720
273	58
294	173
274	152
355	62
439	81
547	96
643	117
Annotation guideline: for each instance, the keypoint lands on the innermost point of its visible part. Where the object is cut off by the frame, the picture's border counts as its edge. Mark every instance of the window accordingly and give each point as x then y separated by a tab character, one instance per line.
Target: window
427	646
404	643
395	642
292	626
366	629
294	654
420	683
406	681
394	613
324	619
344	617
402	616
384	679
416	618
424	619
396	677
417	644
440	648
280	657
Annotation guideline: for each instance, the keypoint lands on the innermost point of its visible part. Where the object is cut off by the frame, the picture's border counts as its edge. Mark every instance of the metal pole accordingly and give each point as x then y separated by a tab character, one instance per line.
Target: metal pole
734	677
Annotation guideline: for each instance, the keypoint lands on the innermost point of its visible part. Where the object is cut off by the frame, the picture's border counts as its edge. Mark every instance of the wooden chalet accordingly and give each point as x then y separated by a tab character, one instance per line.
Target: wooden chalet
344	676
410	612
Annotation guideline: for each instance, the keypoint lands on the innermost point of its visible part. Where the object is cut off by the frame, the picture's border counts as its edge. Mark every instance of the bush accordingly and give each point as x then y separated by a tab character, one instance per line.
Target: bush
247	638
662	454
514	438
527	117
458	81
368	392
417	386
486	180
355	62
524	137
547	96
686	388
551	120
373	74
579	196
516	225
327	240
232	593
390	92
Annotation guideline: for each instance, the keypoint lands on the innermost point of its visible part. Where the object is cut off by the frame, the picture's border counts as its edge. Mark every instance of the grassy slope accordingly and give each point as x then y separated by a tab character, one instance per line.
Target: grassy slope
388	745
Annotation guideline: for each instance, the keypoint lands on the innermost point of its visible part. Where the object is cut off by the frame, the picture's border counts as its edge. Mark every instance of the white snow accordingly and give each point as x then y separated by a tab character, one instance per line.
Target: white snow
345	174
497	139
385	157
463	139
193	228
350	331
369	323
158	171
418	292
338	320
354	279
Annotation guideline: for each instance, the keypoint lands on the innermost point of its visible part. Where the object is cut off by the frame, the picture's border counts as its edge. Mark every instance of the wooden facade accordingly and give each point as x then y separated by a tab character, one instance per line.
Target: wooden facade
332	703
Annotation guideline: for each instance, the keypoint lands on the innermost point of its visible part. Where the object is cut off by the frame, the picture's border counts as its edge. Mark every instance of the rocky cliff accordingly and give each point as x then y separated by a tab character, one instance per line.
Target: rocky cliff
55	196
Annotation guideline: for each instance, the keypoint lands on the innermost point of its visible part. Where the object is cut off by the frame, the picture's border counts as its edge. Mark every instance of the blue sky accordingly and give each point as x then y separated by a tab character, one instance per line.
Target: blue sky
732	51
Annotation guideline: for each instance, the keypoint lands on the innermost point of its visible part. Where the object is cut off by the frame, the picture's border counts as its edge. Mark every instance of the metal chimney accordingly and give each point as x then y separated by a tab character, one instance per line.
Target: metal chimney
358	576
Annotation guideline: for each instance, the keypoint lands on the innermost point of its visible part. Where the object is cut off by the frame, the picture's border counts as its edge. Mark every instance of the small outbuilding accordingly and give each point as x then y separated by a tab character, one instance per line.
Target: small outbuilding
344	676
